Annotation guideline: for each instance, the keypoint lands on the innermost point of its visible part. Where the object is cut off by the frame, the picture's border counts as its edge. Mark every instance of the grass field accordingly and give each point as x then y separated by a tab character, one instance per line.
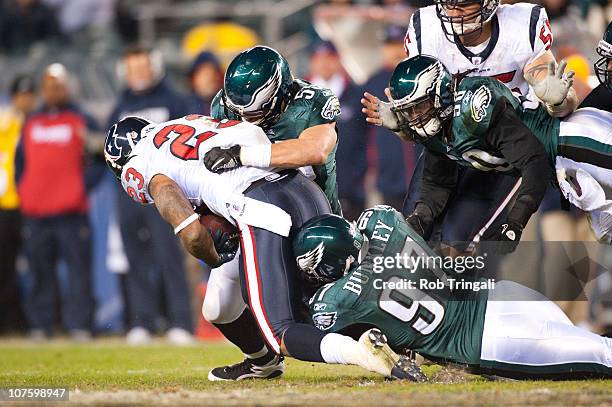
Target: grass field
109	372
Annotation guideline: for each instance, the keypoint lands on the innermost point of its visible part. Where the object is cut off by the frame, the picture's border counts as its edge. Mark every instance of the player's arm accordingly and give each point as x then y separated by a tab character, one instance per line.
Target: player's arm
174	207
439	180
551	84
312	147
509	135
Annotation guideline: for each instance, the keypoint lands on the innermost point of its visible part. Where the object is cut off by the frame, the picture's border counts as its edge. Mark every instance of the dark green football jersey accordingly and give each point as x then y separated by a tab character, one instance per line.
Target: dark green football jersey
413	304
311	106
475	100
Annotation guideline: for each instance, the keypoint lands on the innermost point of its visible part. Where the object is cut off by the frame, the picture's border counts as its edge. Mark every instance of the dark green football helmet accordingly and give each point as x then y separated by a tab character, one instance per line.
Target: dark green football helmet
421	88
603	66
257	85
325	247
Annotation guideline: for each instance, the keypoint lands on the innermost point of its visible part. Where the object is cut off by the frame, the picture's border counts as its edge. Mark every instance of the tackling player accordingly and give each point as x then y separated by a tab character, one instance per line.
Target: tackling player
481	38
300	119
477	122
161	164
510	331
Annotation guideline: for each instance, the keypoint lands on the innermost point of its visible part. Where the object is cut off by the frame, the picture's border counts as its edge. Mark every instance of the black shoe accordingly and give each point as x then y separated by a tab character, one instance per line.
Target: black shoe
248	370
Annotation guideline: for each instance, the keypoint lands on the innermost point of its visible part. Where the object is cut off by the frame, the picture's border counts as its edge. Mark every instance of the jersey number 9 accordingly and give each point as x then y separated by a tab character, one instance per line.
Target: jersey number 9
424	315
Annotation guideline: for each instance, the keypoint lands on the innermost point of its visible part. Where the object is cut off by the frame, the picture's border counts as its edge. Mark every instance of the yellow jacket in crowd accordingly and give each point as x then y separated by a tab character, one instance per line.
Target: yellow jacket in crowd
10	130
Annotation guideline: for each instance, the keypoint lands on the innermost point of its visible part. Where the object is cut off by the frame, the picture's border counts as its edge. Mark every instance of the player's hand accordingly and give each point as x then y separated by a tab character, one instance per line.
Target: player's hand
226	246
378	112
224	258
553	89
224	242
421	220
219	159
504	238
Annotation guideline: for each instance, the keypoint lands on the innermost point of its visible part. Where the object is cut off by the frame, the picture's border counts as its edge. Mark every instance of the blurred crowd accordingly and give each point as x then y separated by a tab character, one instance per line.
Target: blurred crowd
53	181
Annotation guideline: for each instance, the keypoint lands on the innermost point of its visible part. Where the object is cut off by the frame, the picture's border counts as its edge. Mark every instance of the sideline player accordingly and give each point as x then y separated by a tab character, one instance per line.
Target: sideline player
510	330
300	119
481	38
161	164
477	122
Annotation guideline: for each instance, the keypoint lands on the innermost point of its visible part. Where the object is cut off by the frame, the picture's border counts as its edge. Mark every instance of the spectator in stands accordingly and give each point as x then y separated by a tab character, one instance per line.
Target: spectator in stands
23	102
351	160
76	16
149	243
50	171
205	79
393	171
24	22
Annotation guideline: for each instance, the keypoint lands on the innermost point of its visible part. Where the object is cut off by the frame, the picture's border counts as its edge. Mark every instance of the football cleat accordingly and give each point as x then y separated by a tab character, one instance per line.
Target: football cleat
407	368
248	370
380	358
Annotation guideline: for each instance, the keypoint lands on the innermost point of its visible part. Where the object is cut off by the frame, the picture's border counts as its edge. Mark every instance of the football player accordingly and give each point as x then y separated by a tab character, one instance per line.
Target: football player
259	88
161	164
300	119
509	330
477	122
601	96
508	42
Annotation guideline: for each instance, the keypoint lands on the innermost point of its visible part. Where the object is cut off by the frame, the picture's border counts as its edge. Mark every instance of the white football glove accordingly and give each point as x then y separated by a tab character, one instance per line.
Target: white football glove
378	112
553	89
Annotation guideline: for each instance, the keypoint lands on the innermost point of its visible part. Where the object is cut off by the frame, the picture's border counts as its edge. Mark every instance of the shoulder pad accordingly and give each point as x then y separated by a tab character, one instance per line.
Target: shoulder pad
370	217
323	104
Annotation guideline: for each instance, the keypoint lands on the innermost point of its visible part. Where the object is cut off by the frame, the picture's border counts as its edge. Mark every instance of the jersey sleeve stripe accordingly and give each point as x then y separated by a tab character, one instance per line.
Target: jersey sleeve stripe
416	19
533	24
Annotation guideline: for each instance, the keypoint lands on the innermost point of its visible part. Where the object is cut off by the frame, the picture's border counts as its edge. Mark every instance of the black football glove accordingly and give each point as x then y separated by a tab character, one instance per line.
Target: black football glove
224	242
224	258
421	220
226	246
504	238
219	159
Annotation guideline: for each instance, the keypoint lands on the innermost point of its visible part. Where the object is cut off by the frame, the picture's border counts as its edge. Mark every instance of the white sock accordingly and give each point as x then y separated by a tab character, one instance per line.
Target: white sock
335	348
259	354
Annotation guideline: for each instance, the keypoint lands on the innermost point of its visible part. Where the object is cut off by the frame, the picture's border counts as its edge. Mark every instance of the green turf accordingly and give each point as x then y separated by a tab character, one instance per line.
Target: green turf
110	365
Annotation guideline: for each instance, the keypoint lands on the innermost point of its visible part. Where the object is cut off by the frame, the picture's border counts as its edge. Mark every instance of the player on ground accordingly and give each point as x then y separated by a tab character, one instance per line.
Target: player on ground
509	331
299	118
477	122
481	38
161	164
601	96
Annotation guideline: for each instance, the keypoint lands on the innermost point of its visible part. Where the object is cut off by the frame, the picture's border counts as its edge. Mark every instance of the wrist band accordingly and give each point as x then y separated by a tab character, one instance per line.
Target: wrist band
186	223
256	156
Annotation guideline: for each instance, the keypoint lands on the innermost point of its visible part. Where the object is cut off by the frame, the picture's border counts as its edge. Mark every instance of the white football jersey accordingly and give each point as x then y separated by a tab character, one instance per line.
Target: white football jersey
520	34
176	149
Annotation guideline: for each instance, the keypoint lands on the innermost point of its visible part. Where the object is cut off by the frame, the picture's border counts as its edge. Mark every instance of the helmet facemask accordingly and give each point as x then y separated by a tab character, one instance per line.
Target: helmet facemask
468	26
267	115
421	118
603	66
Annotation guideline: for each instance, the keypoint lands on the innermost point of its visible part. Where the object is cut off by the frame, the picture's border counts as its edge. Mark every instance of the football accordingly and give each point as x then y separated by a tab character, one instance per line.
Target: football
215	223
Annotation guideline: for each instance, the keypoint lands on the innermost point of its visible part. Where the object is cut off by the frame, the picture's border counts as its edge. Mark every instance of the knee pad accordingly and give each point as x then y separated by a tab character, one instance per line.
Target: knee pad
223	301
